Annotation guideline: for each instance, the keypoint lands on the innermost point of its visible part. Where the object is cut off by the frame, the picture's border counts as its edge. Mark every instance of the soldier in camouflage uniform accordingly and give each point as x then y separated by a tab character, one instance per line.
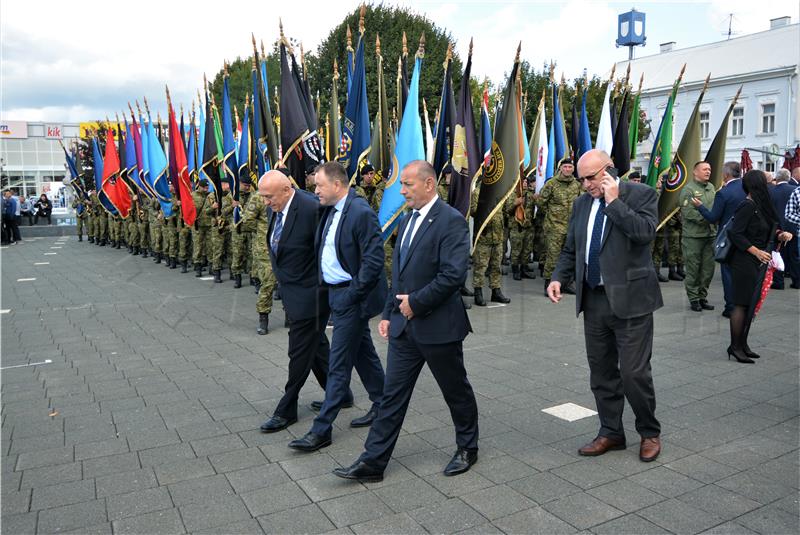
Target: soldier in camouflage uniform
100	222
443	189
221	229
521	233
144	226
114	225
156	226
170	230
81	215
697	239
256	220
371	188
538	239
555	199
202	227
487	255
184	239
90	218
240	239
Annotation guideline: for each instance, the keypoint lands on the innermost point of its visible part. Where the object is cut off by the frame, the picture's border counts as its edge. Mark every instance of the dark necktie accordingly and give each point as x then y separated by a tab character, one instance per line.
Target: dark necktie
328	223
593	267
407	237
276	232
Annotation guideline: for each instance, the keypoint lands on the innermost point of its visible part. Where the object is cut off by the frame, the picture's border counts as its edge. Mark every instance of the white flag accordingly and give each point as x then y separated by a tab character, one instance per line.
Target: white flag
605	136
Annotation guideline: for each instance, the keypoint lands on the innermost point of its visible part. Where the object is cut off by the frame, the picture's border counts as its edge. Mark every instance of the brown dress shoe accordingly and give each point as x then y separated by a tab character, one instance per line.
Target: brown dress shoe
649	449
601	445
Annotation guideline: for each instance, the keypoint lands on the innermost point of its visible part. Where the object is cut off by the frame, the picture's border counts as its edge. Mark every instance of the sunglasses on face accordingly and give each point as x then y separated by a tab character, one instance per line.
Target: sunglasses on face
610	169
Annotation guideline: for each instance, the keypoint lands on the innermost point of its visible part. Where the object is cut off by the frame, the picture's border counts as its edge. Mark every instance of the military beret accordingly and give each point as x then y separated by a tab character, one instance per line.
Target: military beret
566	161
367	169
203	183
246	180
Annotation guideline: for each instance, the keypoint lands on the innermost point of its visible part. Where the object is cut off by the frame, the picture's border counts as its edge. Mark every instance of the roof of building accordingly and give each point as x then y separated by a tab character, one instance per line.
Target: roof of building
760	52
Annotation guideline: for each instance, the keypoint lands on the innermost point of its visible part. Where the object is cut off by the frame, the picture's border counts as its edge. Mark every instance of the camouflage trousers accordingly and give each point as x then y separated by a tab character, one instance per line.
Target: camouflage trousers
388	251
201	237
240	248
79	224
170	237
184	242
538	236
263	269
698	254
220	243
488	255
101	227
144	234
521	244
672	237
156	230
554	241
133	234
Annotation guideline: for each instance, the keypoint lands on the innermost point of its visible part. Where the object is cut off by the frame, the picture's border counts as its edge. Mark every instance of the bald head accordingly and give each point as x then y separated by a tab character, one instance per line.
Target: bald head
591	169
418	183
275	190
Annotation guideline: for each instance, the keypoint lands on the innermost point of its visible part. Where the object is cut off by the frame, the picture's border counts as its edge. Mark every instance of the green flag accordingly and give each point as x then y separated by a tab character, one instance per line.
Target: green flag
687	155
662	147
502	174
379	155
333	131
716	152
633	129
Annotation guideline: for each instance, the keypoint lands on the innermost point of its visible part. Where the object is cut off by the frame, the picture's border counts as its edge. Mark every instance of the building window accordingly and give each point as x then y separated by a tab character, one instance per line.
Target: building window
768	118
769	167
737	122
704	118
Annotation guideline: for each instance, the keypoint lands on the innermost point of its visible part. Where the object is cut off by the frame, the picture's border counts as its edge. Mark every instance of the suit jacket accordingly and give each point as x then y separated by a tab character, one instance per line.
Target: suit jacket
295	265
432	273
626	263
727	199
359	249
780	197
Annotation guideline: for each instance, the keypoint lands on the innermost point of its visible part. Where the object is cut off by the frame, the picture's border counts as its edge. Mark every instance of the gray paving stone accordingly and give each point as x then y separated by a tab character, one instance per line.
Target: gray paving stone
256	477
20	523
524	522
409	494
14	502
628	525
218	513
582	510
274	498
586	475
449	516
63	494
125	482
678	517
167	521
354	508
458	486
200	490
111	464
399	523
770	519
153	439
166	454
729	528
236	460
755	487
103	528
497	502
72	516
701	468
250	527
100	449
544	487
45	458
138	502
666	482
718	501
182	470
503	469
218	444
51	475
303	519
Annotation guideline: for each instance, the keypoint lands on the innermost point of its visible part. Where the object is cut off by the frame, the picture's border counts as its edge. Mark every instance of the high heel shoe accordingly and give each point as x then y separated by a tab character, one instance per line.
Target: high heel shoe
751	354
744	359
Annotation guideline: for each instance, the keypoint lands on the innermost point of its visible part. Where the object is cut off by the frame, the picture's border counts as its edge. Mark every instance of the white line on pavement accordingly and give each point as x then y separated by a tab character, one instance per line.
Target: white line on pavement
28	279
50	254
41	263
48	361
5	311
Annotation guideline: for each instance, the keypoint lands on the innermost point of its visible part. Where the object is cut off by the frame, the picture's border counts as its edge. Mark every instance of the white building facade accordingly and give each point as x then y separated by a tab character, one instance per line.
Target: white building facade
764	120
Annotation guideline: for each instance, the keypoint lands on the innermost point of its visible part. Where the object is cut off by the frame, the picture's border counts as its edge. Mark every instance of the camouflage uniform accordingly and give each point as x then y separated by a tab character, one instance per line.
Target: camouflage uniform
671	233
697	240
171	231
202	229
81	216
538	238
156	226
521	234
221	230
132	224
240	239
144	225
555	199
443	190
256	220
489	249
184	238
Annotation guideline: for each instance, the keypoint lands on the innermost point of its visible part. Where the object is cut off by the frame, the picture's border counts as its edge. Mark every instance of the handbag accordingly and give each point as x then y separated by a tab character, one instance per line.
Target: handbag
723	247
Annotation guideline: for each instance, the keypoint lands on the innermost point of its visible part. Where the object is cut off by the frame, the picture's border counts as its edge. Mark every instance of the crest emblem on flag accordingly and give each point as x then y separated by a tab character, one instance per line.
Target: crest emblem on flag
496	167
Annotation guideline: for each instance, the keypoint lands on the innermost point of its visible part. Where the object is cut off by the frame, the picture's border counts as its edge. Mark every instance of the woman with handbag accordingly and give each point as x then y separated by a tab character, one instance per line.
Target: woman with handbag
43	209
754	234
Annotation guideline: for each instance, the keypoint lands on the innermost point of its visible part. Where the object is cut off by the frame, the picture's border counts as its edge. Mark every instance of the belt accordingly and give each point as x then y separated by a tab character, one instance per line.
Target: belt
344	284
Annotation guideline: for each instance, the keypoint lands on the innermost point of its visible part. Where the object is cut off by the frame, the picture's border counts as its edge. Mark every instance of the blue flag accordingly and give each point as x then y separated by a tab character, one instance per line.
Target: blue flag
158	163
130	161
409	148
584	136
229	167
356	136
527	154
551	152
243	160
261	163
558	121
201	140
98	178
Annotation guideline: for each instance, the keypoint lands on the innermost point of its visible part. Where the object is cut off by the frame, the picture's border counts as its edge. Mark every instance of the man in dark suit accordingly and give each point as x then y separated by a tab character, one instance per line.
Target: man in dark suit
290	241
780	198
350	258
608	252
726	200
425	322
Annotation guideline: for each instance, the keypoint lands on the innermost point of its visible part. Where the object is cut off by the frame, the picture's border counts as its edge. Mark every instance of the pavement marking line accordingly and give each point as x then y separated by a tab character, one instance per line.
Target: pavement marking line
50	254
569	412
5	311
207	278
48	361
41	263
56	247
28	279
496	305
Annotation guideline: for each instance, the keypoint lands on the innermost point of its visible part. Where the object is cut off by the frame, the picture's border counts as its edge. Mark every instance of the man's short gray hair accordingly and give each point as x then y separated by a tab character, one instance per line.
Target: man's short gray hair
732	169
782	175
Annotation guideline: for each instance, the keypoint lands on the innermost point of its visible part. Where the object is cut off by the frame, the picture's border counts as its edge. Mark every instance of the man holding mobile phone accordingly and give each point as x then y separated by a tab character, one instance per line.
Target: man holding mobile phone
607	253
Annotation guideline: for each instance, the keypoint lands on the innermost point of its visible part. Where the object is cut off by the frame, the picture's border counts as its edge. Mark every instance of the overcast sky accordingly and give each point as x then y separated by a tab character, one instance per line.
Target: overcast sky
79	61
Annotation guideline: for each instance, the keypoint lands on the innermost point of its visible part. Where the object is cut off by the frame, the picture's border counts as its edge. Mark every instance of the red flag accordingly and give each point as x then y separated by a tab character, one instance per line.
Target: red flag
178	152
113	186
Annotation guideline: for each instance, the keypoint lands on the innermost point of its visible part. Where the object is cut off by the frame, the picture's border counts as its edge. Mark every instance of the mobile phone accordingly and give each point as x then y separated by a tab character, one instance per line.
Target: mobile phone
613	172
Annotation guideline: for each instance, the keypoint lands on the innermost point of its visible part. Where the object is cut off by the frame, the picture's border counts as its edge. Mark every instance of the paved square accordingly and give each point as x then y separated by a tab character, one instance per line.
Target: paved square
132	397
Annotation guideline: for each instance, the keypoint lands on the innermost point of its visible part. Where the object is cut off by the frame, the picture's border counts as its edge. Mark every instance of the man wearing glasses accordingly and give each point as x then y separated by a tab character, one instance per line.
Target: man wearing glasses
607	253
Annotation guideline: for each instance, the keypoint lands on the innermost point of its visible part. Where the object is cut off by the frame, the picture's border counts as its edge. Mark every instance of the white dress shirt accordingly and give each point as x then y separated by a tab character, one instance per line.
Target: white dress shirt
589	229
285	212
423	213
332	270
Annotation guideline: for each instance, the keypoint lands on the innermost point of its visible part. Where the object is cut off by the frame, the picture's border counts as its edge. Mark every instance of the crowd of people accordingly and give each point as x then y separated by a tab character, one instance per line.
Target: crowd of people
595	236
16	207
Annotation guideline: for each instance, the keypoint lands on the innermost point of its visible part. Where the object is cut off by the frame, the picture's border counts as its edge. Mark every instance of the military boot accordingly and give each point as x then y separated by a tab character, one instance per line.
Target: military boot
119	244
217	275
173	263
479	301
90	239
232	276
198	270
254	281
238	280
466	292
498	297
661	277
145	253
80	238
674	275
516	270
157	258
184	266
263	323
525	273
681	271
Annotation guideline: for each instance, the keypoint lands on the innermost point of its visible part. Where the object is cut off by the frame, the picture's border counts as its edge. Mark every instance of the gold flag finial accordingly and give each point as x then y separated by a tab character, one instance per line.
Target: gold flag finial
448	56
641	81
349	38
563	80
613	70
302	58
158	117
361	14
552	71
205	82
335	69
405	45
470	47
421	49
137	106
736	96
519	51
263	53
705	84
181	109
169	100
225	73
628	74
146	106
130	108
236	115
280	28
117	116
378	44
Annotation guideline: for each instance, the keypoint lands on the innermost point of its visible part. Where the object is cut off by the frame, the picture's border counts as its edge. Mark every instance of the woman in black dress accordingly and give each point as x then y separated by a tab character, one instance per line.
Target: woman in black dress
753	235
43	209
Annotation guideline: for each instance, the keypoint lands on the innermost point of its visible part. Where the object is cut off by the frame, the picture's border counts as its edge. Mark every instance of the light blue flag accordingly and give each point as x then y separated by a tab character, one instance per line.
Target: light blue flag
527	159
158	170
145	176
409	148
201	140
551	153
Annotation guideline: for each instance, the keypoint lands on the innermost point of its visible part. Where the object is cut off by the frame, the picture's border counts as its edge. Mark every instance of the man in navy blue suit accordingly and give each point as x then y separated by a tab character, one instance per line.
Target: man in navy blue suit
425	322
727	199
780	198
290	242
350	258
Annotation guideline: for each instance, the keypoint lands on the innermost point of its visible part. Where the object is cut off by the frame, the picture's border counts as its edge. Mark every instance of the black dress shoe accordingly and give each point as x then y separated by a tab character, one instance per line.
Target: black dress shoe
277	423
461	462
310	442
360	471
705	306
726	313
695	306
316	406
366	420
466	292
